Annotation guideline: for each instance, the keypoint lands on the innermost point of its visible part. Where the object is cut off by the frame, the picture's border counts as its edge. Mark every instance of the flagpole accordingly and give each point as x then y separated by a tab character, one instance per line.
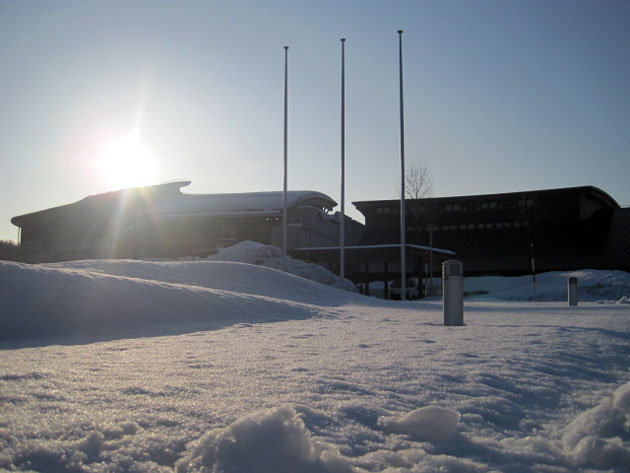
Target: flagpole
284	189
403	243
342	227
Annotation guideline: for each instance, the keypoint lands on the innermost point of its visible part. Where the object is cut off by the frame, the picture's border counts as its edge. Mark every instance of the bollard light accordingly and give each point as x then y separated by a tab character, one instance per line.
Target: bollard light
453	292
572	291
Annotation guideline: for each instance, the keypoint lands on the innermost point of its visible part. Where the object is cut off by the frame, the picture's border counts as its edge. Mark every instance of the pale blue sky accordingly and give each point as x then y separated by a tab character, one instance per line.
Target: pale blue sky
500	95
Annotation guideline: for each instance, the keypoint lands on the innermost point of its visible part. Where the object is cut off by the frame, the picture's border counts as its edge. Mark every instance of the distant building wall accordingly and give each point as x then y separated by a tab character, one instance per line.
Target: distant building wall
569	228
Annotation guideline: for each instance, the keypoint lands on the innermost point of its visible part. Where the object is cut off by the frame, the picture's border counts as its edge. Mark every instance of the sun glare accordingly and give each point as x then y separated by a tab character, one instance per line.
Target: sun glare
126	162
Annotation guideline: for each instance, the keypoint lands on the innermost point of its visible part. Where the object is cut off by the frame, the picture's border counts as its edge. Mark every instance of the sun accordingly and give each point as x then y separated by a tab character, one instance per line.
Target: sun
126	162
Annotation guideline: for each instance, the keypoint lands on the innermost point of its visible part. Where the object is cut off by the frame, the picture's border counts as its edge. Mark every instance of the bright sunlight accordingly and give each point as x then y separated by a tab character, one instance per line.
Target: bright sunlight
127	162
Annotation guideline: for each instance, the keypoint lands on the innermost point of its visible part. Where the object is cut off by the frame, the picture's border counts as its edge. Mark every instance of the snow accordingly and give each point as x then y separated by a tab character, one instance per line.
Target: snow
593	285
430	423
271	257
231	366
248	203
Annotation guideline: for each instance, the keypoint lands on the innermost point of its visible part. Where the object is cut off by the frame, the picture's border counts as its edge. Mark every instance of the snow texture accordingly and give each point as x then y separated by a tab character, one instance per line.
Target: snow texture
273	441
430	423
226	367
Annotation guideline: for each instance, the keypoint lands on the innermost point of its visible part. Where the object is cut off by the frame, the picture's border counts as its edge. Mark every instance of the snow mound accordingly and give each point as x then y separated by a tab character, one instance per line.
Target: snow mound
621	399
593	285
601	435
272	441
117	295
429	423
271	257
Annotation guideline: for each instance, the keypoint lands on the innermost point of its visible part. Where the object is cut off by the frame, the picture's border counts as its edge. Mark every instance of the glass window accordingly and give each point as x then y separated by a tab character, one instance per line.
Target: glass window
379	210
484	205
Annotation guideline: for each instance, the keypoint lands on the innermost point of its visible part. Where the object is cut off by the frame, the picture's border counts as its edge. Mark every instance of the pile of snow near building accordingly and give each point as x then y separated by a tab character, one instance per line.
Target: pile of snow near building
271	257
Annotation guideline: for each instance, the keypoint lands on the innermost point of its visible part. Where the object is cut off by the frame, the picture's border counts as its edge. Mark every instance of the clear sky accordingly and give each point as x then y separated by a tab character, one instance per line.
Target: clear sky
500	96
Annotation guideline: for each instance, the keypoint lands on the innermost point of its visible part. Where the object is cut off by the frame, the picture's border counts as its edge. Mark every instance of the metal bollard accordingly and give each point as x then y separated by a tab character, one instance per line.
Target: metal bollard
453	292
572	291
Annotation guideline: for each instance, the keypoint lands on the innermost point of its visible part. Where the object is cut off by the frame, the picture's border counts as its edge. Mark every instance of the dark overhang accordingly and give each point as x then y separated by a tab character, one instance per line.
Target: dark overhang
372	253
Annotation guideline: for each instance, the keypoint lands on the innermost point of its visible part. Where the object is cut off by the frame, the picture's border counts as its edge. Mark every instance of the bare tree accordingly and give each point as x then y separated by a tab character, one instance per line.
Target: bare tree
418	181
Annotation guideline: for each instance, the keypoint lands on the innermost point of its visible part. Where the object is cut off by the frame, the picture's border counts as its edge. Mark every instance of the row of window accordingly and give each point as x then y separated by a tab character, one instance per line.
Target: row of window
456	207
469	226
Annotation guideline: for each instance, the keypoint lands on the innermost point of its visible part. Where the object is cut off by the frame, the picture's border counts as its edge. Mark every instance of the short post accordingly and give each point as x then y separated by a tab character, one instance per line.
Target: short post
453	292
572	291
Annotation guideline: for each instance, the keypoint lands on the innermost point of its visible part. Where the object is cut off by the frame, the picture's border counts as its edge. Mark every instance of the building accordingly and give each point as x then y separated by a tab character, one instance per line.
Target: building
508	234
512	233
161	221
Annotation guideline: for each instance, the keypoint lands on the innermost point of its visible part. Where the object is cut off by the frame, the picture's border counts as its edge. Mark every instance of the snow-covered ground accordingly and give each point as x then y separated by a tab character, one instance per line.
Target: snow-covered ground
593	285
223	366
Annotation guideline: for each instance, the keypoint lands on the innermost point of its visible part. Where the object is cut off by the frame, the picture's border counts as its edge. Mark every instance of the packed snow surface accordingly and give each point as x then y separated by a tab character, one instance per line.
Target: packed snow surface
225	366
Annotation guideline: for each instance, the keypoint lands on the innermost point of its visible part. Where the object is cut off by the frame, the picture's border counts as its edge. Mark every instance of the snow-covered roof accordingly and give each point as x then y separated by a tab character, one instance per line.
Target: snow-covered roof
248	203
166	200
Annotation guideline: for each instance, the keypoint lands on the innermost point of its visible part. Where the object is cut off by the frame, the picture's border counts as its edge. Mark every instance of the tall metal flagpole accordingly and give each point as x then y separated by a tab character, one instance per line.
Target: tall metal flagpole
403	243
284	189
342	226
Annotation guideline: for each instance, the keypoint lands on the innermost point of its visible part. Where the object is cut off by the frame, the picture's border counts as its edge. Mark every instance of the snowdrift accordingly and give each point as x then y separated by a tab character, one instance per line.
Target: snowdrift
114	295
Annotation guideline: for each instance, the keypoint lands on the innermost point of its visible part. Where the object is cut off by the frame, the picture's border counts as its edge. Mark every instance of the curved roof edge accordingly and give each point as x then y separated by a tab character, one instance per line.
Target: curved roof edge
167	199
596	191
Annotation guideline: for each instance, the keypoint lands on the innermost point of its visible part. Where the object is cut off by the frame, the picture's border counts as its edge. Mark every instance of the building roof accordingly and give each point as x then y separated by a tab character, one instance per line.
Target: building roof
593	191
248	203
167	200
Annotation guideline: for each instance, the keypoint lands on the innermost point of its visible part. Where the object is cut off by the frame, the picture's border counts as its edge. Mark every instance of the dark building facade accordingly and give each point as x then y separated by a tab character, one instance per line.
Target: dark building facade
555	229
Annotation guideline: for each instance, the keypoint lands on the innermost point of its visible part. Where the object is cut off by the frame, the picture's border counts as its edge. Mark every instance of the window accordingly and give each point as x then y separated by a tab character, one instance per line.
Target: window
379	210
456	207
493	205
387	210
499	224
449	208
484	205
